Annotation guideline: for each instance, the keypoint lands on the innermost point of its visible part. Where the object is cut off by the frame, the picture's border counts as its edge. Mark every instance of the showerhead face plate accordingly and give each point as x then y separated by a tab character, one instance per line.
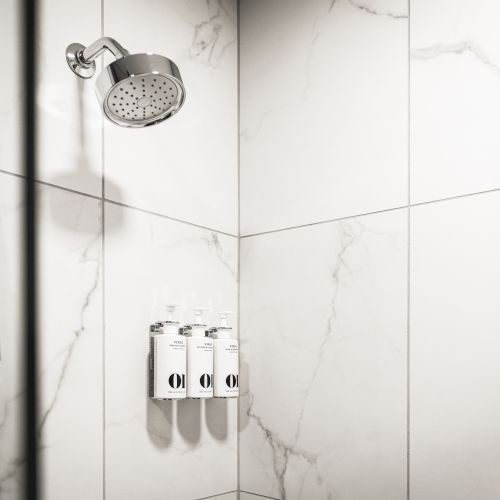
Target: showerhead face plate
140	90
142	98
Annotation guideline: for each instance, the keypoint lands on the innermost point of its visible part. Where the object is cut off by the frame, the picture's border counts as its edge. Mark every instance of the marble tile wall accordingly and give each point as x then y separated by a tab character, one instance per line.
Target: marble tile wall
228	496
455	346
323	315
107	269
71	323
455	104
249	496
324	97
187	167
153	447
369	343
70	377
361	114
69	119
10	88
11	399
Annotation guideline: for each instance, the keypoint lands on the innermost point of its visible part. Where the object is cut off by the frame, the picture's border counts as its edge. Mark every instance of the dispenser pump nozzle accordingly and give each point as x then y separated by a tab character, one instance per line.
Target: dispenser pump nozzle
198	328
223	331
170	326
199	313
223	316
170	312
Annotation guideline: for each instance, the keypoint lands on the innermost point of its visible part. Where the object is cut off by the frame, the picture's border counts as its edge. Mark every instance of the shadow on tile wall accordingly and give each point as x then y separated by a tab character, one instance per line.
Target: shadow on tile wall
188	413
80	169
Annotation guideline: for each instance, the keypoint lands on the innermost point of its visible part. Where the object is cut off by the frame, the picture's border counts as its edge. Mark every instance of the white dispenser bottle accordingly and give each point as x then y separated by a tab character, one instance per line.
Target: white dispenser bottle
167	358
200	362
226	360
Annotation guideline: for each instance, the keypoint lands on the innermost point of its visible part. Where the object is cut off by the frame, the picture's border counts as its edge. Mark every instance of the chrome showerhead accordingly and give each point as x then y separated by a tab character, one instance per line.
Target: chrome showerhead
136	90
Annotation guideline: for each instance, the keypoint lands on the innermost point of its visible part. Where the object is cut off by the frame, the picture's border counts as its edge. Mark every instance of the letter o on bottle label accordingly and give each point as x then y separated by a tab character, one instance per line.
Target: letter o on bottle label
175	380
206	380
232	381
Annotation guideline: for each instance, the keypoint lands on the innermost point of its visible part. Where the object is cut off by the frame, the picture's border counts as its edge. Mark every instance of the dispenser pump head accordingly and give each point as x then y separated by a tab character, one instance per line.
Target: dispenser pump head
223	316
171	312
170	326
199	314
198	328
223	331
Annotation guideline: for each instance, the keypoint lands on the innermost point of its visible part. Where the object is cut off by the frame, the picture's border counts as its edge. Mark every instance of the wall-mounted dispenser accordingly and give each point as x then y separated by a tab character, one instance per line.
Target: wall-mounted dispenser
226	359
200	361
167	359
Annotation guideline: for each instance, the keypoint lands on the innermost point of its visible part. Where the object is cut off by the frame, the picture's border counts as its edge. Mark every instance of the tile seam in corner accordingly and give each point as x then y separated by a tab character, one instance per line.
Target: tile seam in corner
408	236
363	214
103	280
238	150
258	495
270	231
173	219
124	205
217	495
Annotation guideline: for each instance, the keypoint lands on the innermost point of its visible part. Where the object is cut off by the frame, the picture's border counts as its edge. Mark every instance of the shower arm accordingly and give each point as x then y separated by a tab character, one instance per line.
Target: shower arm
97	48
81	59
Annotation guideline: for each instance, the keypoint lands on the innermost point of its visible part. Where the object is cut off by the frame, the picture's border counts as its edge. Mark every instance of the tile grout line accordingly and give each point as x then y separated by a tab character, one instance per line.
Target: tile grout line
260	496
326	221
120	204
238	299
173	219
271	231
408	229
217	495
363	214
103	253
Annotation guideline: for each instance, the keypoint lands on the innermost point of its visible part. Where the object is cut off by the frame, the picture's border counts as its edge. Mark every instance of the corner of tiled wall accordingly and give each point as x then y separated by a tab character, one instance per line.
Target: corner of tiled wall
129	220
369	194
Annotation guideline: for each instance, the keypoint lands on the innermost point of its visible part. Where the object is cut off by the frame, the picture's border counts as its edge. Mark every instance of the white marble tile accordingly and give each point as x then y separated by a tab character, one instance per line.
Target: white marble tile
186	167
183	450
324	110
69	121
11	367
227	496
455	103
323	364
248	496
10	88
455	347
70	343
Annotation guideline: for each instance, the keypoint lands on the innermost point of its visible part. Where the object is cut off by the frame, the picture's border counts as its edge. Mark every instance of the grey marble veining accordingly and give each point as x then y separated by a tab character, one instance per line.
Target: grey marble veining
454	101
180	264
210	38
247	134
11	385
71	350
317	303
349	233
458	48
319	93
371	8
67	352
187	167
70	329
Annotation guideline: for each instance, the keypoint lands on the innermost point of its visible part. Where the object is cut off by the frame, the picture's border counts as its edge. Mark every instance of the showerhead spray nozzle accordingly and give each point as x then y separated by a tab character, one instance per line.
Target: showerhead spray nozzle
135	90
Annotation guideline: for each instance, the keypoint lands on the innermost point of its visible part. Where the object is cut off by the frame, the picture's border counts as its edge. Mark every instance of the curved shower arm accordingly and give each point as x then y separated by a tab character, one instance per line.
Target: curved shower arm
97	48
81	59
